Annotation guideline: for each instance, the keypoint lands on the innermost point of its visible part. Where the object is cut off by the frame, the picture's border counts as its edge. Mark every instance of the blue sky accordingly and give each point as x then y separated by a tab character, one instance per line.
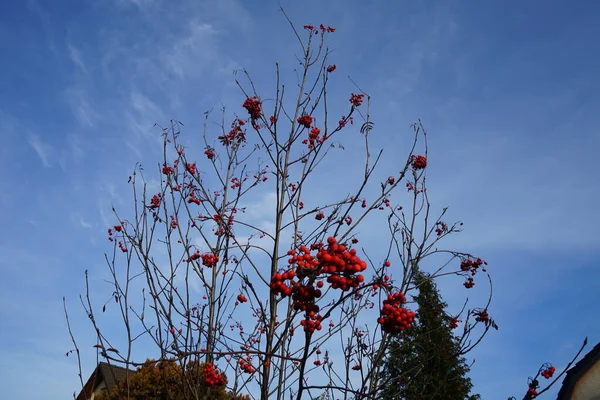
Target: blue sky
506	90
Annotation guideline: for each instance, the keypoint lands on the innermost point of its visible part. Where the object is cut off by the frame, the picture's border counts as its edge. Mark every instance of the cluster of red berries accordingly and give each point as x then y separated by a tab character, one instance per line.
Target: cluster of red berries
305	120
328	29
419	162
356	99
548	372
454	323
278	285
193	198
246	366
191	168
312	322
116	228
395	318
331	68
340	264
167	170
155	201
212	377
208	259
342	123
313	138
210	153
253	106
324	29
471	265
235	183
469	283
440	229
236	135
482	316
241	298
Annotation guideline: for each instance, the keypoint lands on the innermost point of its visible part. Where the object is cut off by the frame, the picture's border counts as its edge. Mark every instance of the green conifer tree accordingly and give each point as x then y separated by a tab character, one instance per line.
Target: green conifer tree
424	363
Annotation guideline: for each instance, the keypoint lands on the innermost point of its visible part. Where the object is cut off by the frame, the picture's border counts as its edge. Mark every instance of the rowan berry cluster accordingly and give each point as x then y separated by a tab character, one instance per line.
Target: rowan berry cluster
314	138
212	377
440	229
454	323
167	170
312	322
395	318
246	366
210	154
532	391
331	68
155	201
305	120
339	264
468	264
114	230
191	168
253	106
482	316
419	162
193	199
209	260
241	298
548	372
236	135
469	283
356	99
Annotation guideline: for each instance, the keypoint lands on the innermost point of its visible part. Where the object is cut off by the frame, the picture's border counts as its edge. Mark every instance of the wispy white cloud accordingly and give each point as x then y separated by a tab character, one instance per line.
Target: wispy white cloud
78	219
138	3
77	59
42	149
195	52
79	101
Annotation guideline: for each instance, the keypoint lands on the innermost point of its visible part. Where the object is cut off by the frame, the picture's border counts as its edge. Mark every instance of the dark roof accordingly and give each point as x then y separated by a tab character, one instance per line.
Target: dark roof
575	373
109	373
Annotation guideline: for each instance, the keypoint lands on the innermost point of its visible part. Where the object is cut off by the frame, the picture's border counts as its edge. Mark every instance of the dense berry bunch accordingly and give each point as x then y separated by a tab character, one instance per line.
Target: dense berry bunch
469	283
191	168
333	260
236	134
305	120
209	260
314	137
356	99
155	201
210	154
471	265
482	316
246	366
419	162
212	377
548	372
395	318
253	105
167	170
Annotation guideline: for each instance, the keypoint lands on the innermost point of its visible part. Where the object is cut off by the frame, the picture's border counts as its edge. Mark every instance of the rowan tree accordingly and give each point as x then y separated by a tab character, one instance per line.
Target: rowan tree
290	305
